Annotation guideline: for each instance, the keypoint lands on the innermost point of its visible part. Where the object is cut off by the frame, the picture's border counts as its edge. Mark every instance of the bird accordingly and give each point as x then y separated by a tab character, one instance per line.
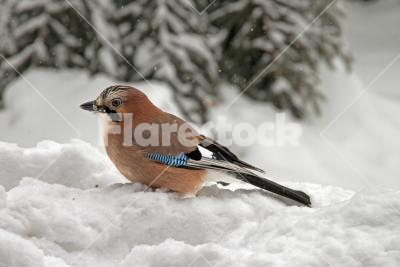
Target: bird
186	163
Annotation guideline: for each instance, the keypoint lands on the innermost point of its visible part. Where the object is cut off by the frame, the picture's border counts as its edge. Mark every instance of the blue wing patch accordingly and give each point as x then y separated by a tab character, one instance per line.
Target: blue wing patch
175	161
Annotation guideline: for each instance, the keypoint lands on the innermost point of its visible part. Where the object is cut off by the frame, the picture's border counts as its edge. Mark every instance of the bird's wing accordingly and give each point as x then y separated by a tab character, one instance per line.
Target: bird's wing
221	152
172	142
181	143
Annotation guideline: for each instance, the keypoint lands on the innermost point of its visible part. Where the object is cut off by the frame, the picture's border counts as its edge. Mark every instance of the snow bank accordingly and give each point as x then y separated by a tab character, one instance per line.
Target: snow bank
62	212
76	164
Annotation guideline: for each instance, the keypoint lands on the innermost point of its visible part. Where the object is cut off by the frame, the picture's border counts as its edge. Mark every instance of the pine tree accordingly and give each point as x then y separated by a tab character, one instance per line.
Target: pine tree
258	31
6	45
50	33
167	41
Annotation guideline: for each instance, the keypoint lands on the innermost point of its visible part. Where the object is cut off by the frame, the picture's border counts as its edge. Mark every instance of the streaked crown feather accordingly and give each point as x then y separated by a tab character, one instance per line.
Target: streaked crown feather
112	90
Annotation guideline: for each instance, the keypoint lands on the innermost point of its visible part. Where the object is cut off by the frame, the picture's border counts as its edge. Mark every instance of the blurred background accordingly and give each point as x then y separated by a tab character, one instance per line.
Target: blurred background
199	56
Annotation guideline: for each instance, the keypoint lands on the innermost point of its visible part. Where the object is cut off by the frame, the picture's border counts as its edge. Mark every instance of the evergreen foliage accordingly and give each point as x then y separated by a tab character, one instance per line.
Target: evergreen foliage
168	42
256	53
50	33
232	42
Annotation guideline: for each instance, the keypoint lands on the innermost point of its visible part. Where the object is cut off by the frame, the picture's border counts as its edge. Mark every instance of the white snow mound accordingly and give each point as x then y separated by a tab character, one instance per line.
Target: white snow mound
56	217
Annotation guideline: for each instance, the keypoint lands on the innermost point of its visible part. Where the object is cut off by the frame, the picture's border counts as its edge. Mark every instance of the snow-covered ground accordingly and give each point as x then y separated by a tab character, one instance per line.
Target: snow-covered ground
60	214
81	193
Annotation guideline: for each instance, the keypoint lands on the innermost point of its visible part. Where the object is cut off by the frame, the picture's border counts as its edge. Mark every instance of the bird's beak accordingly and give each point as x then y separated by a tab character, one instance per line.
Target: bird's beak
89	106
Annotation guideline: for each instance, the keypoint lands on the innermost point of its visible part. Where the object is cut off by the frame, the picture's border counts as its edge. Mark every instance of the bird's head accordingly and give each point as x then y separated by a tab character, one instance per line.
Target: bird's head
116	100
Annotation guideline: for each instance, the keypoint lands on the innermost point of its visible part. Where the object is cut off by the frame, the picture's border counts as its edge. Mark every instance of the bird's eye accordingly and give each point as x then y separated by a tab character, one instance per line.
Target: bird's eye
116	102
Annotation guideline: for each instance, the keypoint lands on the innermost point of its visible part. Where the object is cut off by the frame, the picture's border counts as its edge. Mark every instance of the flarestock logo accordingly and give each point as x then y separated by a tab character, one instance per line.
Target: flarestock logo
278	133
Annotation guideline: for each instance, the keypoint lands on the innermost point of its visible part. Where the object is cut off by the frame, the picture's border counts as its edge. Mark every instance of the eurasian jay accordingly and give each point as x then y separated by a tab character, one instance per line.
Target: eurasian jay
180	166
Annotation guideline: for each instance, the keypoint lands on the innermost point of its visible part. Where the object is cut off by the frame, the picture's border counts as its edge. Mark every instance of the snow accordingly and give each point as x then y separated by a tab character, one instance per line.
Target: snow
94	169
382	36
78	193
62	212
20	58
31	26
78	196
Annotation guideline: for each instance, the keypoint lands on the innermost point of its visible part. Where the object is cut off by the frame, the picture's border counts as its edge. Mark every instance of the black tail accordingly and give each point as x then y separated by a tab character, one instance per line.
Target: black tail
273	187
247	176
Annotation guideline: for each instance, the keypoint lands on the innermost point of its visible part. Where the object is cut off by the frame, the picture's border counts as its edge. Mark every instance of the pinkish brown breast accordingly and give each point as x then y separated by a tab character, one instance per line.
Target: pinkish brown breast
131	162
